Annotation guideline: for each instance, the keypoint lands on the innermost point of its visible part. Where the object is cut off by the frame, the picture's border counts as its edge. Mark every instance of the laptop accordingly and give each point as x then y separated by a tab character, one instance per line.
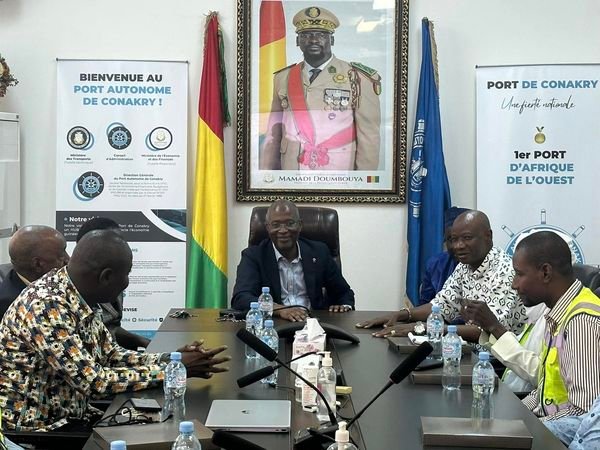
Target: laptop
271	416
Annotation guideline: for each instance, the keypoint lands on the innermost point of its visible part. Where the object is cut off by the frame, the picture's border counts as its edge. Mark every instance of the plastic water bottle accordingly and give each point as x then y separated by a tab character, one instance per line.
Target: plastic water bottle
265	304
483	388
118	445
174	386
451	354
435	330
186	439
342	439
254	326
269	336
326	379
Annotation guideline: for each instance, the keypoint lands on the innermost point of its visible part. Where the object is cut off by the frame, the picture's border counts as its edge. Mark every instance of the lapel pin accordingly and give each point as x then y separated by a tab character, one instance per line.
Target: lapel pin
314	260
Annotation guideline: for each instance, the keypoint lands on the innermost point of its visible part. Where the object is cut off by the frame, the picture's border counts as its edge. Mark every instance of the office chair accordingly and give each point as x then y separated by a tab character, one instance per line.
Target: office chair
318	224
4	269
588	275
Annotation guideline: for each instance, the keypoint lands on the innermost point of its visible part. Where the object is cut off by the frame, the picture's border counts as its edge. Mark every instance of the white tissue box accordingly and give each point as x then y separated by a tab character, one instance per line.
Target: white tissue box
316	345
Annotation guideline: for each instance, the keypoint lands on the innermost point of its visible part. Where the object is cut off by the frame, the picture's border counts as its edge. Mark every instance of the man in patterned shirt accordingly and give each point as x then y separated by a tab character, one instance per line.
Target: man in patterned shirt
484	273
55	352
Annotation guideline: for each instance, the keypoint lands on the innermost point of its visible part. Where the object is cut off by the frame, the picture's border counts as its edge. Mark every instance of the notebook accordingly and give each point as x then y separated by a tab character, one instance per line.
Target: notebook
250	415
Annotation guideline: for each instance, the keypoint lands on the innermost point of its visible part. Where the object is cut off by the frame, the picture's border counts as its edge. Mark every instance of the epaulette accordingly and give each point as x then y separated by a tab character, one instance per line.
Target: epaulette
371	73
281	70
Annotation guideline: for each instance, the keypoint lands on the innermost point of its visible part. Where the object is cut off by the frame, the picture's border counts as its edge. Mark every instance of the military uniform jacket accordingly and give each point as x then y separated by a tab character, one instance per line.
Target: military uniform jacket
343	109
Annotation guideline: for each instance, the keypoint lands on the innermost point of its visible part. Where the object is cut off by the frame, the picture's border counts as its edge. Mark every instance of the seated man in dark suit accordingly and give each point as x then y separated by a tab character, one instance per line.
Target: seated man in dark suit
33	250
295	269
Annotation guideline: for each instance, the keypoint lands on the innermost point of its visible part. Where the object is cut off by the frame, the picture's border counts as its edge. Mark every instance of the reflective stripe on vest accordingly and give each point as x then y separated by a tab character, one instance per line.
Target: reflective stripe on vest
554	395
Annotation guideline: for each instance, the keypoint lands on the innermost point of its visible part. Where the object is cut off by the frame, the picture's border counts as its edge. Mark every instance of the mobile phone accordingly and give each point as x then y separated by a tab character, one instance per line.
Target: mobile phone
429	364
145	404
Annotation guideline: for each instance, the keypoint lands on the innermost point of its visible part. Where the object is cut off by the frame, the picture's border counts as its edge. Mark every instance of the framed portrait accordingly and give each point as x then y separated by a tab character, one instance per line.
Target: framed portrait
322	100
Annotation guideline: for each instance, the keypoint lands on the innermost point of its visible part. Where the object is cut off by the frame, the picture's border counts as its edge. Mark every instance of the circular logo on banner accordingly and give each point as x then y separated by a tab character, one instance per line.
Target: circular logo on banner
80	138
88	186
159	139
119	137
570	238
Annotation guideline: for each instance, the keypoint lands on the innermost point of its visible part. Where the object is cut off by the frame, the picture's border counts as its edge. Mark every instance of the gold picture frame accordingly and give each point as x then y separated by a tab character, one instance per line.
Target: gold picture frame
286	145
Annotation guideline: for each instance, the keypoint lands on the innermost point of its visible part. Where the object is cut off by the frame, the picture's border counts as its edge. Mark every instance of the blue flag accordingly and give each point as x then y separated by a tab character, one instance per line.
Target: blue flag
429	193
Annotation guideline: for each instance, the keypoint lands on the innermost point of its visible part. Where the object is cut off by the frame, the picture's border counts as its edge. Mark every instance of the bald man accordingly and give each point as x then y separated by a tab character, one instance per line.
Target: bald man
484	273
34	250
56	354
296	270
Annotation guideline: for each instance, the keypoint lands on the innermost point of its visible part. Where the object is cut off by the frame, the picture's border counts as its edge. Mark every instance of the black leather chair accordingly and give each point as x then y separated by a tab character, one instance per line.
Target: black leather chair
588	275
318	224
4	269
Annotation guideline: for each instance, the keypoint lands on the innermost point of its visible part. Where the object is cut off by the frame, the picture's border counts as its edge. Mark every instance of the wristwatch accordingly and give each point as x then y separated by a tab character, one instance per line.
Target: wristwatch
419	329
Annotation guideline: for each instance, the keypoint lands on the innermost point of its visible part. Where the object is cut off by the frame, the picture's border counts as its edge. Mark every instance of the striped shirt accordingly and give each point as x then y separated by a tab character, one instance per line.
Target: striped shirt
291	278
580	359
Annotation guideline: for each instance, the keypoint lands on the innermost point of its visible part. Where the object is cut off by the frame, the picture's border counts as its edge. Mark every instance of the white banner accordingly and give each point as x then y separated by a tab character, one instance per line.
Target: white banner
122	153
538	152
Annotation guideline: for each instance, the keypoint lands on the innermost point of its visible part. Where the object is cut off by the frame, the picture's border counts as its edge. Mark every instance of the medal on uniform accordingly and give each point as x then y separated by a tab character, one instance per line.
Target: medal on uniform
331	116
339	78
344	104
284	103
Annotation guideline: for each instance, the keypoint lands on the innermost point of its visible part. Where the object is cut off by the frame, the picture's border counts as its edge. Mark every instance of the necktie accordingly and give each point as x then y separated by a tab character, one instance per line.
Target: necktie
313	74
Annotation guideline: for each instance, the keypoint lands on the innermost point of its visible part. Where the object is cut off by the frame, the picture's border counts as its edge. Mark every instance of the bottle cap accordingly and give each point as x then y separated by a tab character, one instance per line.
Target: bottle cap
186	427
326	361
266	290
435	308
268	324
254	305
451	328
118	445
484	356
175	356
342	435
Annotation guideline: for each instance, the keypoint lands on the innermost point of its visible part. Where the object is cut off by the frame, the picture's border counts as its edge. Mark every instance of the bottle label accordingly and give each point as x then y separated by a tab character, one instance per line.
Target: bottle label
451	349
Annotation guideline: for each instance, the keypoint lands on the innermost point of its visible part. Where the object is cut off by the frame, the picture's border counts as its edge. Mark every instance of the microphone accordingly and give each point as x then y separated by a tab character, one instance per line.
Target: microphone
253	377
399	373
229	441
264	372
257	345
271	355
317	437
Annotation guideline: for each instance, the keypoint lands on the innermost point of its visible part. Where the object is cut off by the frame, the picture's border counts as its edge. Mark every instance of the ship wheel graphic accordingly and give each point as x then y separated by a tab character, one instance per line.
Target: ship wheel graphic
570	238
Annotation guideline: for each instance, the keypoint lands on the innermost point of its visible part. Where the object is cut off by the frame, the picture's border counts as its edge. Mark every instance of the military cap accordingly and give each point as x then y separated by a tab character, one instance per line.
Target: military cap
315	18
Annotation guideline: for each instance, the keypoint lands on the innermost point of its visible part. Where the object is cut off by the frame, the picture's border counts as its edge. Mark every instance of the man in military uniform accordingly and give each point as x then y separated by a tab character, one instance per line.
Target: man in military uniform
325	113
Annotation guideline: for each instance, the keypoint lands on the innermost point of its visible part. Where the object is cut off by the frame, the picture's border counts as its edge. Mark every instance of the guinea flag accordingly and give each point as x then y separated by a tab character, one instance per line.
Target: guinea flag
207	266
271	56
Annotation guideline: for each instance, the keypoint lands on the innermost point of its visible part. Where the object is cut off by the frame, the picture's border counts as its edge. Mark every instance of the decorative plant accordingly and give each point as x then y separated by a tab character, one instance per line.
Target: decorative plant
6	78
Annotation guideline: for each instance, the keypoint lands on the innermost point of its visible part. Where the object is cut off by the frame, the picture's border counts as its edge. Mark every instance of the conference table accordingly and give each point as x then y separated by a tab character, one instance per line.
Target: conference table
392	422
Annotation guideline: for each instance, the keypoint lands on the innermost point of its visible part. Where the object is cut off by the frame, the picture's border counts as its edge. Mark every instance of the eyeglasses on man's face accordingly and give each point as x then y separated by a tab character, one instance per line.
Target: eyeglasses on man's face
289	225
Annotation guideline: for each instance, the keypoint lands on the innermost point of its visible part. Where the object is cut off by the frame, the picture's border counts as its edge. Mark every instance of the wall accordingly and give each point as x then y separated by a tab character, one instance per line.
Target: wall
33	33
